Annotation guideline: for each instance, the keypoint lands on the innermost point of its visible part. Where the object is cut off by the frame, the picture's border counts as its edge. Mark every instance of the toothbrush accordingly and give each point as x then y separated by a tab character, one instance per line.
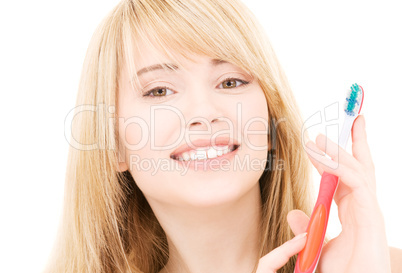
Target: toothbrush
307	259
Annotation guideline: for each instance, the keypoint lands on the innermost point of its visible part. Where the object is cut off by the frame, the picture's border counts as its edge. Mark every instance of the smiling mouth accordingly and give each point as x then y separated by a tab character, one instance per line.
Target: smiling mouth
205	153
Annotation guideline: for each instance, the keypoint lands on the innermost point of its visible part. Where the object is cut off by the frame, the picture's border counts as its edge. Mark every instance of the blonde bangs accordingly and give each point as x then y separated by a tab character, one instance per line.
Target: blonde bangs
196	27
107	224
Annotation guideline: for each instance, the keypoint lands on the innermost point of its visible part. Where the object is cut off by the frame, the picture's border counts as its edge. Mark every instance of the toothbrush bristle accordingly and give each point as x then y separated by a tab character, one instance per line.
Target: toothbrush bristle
353	100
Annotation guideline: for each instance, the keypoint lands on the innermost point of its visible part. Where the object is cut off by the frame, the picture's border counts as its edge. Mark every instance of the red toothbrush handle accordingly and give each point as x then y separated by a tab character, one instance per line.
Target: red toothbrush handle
308	258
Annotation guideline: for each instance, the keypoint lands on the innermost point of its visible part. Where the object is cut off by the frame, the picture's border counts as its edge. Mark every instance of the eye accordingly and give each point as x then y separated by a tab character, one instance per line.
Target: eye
164	91
160	91
230	83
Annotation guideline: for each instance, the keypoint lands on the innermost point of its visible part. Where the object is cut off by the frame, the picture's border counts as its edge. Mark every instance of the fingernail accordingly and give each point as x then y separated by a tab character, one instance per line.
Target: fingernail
310	145
300	236
313	149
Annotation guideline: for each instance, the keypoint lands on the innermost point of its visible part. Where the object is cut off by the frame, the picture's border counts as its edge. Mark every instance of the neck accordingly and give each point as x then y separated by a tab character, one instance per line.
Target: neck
222	238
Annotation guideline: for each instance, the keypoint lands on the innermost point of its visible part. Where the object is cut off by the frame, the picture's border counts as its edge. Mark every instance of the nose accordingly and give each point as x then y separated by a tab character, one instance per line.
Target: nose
197	123
203	109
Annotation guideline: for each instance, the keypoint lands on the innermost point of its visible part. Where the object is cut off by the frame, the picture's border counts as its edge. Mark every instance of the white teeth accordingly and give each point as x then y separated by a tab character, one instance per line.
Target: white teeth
212	153
185	156
201	154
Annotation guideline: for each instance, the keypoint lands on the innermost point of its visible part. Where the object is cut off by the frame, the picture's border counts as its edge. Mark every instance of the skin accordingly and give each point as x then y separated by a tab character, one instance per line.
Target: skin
211	217
362	244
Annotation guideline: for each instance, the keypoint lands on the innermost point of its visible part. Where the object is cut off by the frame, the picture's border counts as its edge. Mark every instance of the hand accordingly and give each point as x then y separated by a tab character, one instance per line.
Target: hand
278	257
362	244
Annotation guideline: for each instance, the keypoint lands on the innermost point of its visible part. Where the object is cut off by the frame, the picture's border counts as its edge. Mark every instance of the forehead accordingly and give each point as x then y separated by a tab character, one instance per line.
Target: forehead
144	56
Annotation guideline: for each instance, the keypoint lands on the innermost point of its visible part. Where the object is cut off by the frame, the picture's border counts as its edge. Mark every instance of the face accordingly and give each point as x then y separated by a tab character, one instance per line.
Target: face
196	135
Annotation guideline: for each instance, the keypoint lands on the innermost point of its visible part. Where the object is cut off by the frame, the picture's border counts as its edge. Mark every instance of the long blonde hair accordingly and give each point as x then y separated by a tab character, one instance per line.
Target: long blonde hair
107	224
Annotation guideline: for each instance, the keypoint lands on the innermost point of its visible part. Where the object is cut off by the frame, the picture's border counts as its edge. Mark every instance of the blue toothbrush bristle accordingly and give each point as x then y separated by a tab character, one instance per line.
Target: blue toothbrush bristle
353	100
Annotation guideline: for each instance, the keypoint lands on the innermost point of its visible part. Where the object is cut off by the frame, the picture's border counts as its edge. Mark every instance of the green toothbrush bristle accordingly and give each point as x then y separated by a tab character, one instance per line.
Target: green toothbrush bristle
353	101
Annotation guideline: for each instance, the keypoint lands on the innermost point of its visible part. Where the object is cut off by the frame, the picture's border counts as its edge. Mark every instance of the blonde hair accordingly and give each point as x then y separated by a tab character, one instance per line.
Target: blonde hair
107	224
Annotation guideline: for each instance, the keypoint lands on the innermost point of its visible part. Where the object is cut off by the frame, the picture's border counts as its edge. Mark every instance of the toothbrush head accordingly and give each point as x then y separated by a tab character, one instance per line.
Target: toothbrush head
354	100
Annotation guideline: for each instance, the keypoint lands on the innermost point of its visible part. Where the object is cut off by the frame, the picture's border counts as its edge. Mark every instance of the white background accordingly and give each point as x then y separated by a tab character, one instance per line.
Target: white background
323	47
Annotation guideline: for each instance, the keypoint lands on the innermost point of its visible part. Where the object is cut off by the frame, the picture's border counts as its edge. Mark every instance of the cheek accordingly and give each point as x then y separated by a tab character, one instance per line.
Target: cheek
147	135
133	133
166	127
255	122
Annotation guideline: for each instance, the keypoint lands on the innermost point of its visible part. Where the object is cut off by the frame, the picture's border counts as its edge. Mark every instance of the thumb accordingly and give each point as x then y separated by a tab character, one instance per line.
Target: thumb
298	221
278	257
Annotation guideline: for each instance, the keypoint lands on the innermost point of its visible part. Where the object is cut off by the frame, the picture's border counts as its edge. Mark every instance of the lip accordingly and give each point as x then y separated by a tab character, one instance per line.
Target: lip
220	163
204	143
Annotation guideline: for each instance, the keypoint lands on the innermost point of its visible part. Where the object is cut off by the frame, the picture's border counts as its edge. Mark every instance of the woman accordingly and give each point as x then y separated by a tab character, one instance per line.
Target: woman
166	85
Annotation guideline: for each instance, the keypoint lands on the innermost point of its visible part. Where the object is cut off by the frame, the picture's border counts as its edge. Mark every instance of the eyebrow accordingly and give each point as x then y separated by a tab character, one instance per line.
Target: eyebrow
172	67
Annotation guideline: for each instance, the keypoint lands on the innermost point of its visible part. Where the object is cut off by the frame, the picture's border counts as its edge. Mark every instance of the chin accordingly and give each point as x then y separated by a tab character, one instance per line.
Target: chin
200	191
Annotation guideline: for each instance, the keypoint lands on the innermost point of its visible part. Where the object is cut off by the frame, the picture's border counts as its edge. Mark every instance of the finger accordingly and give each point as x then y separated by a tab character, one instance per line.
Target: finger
319	158
313	148
298	221
342	189
278	257
348	176
341	192
360	148
337	153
